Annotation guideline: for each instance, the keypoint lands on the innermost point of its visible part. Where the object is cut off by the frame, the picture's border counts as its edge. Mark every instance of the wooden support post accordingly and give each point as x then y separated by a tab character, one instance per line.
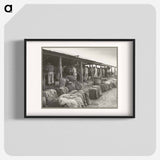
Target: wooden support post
60	67
81	71
107	75
100	71
92	72
113	70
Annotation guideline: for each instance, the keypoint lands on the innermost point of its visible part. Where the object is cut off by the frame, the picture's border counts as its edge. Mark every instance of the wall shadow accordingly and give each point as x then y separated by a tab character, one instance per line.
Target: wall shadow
14	79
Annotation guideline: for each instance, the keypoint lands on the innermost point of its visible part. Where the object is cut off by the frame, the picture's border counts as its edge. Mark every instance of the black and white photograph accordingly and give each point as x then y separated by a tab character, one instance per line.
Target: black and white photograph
79	78
83	77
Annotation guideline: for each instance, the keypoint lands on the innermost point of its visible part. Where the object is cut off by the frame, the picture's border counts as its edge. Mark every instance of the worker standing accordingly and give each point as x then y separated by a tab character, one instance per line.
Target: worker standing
50	72
75	73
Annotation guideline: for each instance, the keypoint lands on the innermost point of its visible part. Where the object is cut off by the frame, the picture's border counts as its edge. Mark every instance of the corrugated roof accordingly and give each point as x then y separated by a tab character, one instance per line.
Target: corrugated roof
75	55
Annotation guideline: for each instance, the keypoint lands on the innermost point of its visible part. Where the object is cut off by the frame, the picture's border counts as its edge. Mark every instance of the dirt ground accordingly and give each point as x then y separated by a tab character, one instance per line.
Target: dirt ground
107	100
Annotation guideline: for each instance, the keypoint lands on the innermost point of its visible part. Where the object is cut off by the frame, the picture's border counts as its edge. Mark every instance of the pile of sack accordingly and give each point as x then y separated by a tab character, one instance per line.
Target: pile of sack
71	83
74	99
62	90
95	92
97	81
113	82
49	96
104	87
69	93
107	84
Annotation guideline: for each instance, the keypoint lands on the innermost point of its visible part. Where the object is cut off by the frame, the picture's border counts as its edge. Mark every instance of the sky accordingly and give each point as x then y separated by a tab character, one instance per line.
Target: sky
103	55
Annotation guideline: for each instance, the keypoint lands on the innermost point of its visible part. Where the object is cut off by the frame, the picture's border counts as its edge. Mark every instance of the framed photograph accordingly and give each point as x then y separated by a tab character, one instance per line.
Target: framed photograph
92	78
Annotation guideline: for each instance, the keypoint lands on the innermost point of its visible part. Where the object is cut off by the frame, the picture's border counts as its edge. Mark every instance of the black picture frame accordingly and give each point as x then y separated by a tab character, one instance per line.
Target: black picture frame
25	77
